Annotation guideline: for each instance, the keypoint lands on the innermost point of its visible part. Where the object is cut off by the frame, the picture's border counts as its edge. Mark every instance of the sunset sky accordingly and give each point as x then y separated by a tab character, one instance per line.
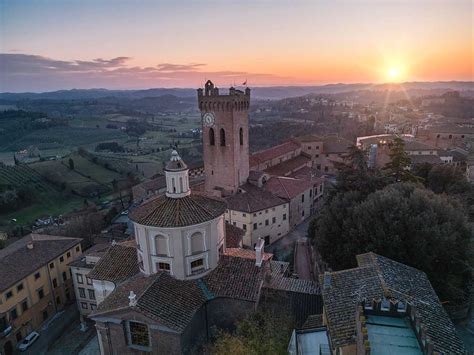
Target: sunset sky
49	45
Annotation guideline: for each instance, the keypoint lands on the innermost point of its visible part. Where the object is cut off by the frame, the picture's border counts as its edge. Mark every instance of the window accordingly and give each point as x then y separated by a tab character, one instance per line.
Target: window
274	220
82	292
161	245
284	216
45	314
51	265
91	294
267	222
37	276
325	168
302	198
40	293
302	213
13	314
163	267
61	259
317	155
212	138
18	336
138	334
24	305
93	307
68	255
89	281
254	226
84	305
197	264
55	283
222	136
78	248
58	300
311	193
9	295
244	215
267	240
244	227
197	243
266	211
234	223
241	136
402	307
64	276
385	305
79	278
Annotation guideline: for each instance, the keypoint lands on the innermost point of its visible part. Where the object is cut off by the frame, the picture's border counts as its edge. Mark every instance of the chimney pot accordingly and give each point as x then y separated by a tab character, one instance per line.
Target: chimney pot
259	252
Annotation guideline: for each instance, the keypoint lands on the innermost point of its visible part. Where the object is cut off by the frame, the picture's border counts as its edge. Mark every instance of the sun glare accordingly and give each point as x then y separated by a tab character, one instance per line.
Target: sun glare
394	74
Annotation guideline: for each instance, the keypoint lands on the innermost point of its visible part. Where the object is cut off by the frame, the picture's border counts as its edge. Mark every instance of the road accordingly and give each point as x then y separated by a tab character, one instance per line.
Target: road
302	266
283	248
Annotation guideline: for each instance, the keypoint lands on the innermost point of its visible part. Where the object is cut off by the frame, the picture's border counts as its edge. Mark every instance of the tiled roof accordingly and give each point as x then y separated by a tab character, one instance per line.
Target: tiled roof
415	145
245	253
118	264
254	175
97	250
168	212
313	321
174	302
273	152
287	187
288	166
310	138
307	173
17	261
252	199
334	145
424	158
377	277
233	236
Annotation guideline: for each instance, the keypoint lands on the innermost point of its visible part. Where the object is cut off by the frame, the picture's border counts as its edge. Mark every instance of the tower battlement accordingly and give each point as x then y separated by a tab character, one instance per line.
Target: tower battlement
210	99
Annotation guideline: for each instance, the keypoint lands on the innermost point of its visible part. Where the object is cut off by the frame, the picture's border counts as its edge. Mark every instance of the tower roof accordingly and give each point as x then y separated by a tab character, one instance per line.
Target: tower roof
175	163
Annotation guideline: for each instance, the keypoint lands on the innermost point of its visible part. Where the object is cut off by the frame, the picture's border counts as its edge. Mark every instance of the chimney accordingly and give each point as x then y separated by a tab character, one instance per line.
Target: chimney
29	245
133	299
259	252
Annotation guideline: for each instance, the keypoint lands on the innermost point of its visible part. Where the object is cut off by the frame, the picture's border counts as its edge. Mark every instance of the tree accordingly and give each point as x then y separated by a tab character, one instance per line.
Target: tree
399	165
71	164
403	222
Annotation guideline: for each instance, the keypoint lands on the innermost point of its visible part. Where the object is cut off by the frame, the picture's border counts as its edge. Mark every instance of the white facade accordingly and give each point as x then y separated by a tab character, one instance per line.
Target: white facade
83	286
269	224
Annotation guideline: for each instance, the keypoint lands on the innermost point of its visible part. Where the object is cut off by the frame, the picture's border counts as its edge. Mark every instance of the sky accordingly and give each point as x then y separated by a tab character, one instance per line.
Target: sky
116	44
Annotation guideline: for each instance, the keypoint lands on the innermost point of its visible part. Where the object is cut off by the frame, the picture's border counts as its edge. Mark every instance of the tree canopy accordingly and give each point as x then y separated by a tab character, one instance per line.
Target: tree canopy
404	222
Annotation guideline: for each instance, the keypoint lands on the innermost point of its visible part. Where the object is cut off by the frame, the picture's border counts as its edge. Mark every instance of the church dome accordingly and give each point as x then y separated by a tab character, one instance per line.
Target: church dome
175	163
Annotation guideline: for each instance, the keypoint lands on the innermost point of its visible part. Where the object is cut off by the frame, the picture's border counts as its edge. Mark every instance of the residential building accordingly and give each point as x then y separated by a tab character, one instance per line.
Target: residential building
383	306
83	287
35	283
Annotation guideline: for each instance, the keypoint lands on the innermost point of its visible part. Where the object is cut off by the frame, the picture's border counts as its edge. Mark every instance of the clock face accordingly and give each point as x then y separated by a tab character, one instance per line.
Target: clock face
208	119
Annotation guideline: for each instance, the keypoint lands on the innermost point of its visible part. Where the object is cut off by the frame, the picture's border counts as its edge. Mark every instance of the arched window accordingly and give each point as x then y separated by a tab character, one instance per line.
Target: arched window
241	136
181	184
222	137
161	245
212	138
197	243
173	184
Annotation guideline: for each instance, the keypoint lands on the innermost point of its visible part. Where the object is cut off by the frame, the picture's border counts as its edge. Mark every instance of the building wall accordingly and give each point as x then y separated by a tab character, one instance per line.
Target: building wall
86	302
300	207
54	298
273	231
178	254
325	161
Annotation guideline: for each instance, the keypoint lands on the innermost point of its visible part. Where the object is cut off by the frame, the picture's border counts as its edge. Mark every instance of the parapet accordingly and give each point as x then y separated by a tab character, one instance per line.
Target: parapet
211	100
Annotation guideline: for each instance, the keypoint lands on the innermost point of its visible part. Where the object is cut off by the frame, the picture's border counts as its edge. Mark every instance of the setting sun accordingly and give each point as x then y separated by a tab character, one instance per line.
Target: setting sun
393	74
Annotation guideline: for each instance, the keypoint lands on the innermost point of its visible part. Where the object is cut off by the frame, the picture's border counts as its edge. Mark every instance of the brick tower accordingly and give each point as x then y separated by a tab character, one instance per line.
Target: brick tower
225	135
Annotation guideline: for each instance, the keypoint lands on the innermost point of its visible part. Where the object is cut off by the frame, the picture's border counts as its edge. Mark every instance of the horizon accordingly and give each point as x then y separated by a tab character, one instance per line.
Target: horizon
52	45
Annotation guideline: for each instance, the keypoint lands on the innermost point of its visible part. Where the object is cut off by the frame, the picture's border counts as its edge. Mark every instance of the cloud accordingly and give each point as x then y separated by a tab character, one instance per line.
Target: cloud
28	72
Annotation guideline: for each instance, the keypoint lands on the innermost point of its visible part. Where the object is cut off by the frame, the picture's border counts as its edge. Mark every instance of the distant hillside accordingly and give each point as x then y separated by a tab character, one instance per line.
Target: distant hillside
271	92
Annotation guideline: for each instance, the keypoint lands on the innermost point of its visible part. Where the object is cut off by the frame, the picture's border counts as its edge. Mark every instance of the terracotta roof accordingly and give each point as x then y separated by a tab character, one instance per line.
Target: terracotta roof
313	321
376	277
252	199
17	261
273	152
415	145
167	212
174	302
118	264
309	138
334	145
97	250
288	166
307	173
287	187
233	236
245	253
254	175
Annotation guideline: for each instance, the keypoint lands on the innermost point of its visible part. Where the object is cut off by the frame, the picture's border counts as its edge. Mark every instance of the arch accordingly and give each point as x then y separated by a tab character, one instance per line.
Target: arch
241	136
222	136
161	245
181	186
212	137
173	184
197	243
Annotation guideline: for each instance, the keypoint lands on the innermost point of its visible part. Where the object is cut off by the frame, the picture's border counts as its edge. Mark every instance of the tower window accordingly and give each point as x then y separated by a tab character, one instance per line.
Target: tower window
212	138
222	137
241	136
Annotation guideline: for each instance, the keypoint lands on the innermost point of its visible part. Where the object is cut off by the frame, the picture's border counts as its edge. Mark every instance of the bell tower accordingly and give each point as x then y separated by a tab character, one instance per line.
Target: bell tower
225	134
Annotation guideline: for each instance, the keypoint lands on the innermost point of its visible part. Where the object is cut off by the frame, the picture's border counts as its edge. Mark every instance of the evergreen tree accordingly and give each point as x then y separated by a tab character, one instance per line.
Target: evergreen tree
71	164
399	165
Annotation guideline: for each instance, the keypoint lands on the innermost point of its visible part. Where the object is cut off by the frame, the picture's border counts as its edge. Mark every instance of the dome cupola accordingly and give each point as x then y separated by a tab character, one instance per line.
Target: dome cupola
177	178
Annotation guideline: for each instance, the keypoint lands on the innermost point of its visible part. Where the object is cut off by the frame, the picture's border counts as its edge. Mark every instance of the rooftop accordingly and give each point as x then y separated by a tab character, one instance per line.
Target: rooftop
168	212
17	261
233	236
252	199
97	250
288	166
287	187
273	152
377	277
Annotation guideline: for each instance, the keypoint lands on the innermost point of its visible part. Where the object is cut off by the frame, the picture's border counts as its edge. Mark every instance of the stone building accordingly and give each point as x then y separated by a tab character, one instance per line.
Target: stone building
178	281
35	284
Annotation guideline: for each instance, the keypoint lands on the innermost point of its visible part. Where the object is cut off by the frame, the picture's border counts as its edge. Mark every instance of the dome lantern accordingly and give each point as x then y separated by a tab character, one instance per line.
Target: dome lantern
177	178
